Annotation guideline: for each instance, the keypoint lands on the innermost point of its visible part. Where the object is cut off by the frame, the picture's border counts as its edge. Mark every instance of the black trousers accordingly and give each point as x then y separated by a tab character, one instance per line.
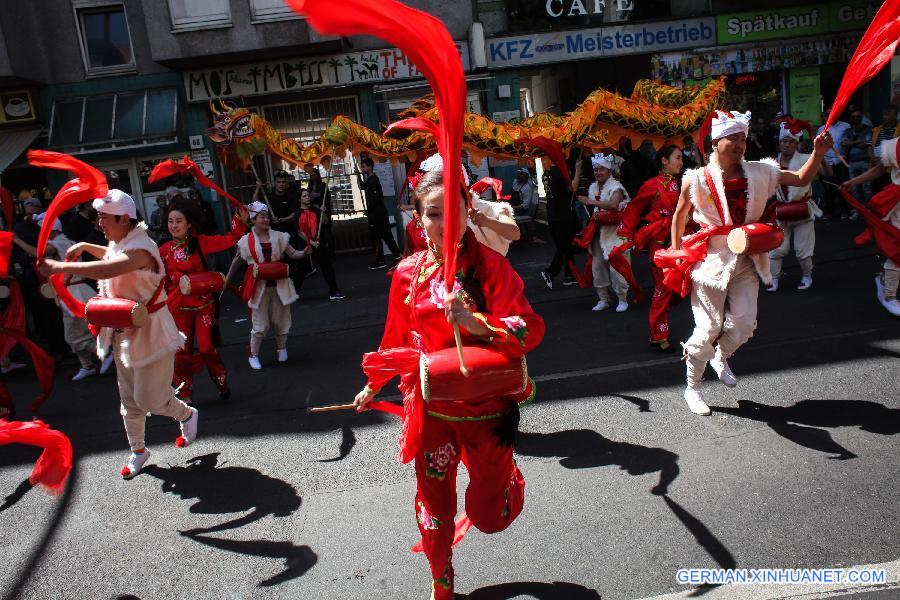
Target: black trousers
323	258
834	202
380	231
47	319
562	233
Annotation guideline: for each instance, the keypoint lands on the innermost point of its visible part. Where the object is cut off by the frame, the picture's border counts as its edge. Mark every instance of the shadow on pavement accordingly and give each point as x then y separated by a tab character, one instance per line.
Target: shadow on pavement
585	449
802	422
297	559
221	490
16	495
538	590
348	440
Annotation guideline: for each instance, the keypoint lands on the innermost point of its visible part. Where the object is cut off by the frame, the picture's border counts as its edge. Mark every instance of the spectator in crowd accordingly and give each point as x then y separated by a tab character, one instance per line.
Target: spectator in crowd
284	200
45	316
377	214
761	140
851	108
690	154
561	220
308	224
633	169
857	146
888	129
208	226
524	199
834	205
156	228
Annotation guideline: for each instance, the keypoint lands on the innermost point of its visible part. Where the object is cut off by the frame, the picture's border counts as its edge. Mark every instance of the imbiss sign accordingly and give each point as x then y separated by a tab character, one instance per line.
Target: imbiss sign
289	75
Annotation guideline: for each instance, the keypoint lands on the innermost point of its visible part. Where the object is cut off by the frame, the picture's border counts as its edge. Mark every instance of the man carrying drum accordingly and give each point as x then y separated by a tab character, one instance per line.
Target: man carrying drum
144	338
727	194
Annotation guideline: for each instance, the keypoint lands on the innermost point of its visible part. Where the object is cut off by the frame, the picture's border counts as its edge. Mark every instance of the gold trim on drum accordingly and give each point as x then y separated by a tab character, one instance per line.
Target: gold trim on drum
524	374
139	315
184	285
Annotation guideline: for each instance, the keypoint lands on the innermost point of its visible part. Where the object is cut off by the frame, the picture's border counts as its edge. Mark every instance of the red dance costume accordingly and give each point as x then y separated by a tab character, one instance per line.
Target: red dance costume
415	238
439	435
647	222
195	315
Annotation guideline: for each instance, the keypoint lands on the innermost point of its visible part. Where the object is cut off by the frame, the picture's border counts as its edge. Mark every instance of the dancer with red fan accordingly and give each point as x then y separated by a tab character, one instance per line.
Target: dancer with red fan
795	211
131	268
194	307
488	304
647	225
725	195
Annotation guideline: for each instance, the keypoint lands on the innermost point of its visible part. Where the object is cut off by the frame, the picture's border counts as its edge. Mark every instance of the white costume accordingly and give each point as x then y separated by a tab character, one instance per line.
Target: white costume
608	237
890	158
75	329
494	210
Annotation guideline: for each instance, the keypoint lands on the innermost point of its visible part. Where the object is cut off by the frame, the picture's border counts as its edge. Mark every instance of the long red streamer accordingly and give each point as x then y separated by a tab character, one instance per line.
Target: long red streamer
44	365
170	167
7	200
489	182
875	50
6	238
425	40
53	466
554	152
885	235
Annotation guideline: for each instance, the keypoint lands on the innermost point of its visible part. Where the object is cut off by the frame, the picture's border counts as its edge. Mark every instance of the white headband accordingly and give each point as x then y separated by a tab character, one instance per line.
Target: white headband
603	160
436	163
729	123
257	207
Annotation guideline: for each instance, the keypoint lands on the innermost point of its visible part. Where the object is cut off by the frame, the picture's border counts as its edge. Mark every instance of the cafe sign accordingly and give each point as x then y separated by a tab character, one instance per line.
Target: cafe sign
291	75
582	8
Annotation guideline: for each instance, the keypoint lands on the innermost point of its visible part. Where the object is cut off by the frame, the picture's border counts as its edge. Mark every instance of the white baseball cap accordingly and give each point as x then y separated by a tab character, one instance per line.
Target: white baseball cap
116	202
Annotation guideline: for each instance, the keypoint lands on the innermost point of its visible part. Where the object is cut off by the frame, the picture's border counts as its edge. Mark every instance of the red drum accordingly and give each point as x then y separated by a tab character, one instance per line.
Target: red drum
200	284
755	238
792	211
118	313
270	271
491	374
608	217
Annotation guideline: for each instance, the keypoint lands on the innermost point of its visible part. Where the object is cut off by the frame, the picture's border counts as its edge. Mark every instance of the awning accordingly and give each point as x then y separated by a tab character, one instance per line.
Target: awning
13	144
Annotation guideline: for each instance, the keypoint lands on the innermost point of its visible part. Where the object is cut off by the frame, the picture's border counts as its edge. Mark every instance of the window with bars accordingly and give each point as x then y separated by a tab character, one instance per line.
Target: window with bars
125	119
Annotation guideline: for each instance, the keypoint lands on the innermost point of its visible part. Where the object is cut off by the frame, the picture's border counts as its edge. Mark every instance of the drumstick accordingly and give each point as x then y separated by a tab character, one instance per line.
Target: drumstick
351	406
459	351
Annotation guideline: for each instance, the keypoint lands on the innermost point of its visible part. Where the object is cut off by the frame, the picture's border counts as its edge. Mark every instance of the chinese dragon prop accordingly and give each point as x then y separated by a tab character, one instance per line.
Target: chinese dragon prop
654	111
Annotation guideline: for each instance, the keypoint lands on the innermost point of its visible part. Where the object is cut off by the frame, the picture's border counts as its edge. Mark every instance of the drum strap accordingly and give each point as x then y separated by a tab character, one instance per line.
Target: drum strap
251	245
714	193
153	305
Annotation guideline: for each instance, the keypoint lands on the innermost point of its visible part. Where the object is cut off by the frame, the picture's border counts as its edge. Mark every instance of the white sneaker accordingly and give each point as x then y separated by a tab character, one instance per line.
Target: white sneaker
134	464
773	287
106	364
892	306
879	290
694	399
84	373
282	355
13	366
720	366
254	363
805	283
188	430
622	307
601	305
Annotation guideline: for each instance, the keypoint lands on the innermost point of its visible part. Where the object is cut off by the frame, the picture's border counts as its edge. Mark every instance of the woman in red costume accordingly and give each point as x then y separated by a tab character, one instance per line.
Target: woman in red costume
195	316
647	223
490	308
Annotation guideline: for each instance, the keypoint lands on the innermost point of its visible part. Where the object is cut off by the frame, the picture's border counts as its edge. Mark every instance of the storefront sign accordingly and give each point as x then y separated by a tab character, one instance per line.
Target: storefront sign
797	21
805	94
600	42
581	8
290	75
16	107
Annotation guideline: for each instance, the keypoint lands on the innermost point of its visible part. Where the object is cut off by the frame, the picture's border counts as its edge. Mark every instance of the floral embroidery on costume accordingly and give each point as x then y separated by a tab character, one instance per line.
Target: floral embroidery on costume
517	327
206	320
439	460
440	297
426	520
446	580
180	254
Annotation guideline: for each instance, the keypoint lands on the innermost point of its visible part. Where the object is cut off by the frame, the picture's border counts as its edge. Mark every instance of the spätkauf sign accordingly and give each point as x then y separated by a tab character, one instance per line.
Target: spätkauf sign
797	21
289	75
583	44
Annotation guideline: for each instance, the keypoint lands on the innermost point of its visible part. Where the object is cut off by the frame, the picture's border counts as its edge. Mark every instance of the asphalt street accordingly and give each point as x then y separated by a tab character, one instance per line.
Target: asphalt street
797	466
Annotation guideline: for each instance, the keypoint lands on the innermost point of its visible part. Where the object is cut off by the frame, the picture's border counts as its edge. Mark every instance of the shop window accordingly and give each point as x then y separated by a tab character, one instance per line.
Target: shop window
105	40
199	14
271	10
126	119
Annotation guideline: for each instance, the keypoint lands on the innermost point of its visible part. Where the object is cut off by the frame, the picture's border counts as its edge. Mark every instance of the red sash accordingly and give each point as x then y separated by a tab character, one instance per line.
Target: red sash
248	286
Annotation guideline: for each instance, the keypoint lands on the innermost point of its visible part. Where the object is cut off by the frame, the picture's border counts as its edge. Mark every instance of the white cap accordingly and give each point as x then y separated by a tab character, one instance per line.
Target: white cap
785	132
603	160
39	221
436	163
257	207
729	123
116	202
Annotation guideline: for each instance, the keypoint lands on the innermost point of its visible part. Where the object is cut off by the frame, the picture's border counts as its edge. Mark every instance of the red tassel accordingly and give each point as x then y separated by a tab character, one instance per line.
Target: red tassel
875	50
53	467
180	442
414	124
795	126
425	40
167	168
554	152
489	182
705	129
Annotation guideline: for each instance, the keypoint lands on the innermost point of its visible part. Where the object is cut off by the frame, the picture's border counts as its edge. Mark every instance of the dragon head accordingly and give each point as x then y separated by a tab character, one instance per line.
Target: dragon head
236	132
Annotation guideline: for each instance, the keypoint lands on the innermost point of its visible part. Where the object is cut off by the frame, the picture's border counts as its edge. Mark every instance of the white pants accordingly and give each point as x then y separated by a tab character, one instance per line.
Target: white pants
891	279
726	318
270	313
604	275
147	390
804	236
79	339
